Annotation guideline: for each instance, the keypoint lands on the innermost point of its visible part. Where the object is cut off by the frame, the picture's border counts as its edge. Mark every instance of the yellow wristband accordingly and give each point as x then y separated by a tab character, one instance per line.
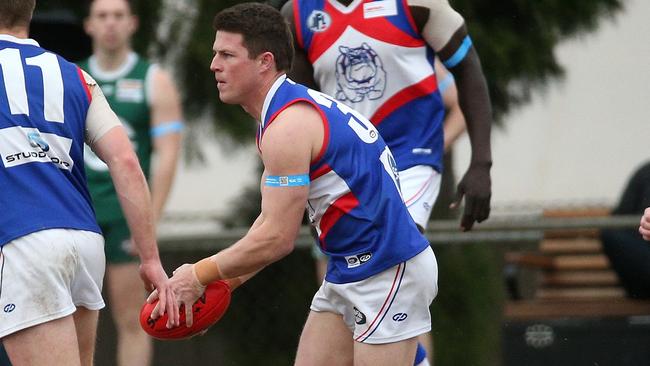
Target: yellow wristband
207	271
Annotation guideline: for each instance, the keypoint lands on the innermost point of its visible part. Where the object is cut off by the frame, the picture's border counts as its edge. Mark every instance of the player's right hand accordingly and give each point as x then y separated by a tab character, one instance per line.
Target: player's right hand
476	187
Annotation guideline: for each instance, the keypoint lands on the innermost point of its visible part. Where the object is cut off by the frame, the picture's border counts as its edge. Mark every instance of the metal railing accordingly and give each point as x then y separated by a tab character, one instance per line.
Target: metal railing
444	232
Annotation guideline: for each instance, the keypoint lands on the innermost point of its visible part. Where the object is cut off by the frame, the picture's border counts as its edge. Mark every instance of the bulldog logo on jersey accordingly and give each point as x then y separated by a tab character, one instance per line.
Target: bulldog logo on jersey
318	21
359	74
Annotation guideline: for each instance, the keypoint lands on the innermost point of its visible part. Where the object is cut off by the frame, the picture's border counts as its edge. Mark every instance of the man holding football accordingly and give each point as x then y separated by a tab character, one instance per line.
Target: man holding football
321	154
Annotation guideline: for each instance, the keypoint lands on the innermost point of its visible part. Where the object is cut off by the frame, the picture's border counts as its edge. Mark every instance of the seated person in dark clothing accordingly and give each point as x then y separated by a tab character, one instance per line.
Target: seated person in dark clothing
628	253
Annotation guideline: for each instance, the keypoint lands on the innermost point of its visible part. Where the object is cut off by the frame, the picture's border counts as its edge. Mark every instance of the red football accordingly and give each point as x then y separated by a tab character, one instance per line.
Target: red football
207	310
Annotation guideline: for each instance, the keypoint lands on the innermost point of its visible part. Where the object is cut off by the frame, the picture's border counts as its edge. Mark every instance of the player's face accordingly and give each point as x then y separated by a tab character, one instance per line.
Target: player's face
110	24
236	74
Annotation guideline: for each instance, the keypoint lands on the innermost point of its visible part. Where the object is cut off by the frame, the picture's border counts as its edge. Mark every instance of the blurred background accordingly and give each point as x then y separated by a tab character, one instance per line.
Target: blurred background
569	82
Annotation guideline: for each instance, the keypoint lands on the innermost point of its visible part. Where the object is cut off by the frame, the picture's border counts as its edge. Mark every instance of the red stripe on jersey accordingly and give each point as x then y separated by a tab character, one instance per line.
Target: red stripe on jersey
326	135
85	84
336	210
323	117
320	172
377	28
258	135
297	24
424	87
409	16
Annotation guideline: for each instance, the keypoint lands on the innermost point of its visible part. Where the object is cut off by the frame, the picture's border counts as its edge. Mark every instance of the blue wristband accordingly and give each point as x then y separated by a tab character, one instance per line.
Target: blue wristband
287	180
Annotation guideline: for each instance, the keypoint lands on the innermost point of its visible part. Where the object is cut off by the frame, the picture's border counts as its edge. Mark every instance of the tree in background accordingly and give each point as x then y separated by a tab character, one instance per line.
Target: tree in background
516	41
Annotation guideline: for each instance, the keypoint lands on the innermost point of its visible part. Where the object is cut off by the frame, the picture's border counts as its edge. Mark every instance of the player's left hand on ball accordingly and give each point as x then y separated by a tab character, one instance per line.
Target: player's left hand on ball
187	289
476	186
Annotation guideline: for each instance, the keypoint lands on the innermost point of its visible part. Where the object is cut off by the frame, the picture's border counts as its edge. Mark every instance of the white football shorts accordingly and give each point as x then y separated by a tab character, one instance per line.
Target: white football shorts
47	275
388	307
420	187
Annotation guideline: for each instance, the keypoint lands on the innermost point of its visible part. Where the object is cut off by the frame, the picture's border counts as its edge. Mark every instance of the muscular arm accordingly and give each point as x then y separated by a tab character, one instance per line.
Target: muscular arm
301	71
165	118
288	146
114	148
287	149
108	139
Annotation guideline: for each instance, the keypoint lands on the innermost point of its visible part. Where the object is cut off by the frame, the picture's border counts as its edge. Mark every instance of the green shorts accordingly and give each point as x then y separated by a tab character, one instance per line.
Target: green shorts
118	243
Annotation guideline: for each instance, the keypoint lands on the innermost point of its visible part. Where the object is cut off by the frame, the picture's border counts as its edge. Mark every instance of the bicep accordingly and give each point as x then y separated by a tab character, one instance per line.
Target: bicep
287	148
443	23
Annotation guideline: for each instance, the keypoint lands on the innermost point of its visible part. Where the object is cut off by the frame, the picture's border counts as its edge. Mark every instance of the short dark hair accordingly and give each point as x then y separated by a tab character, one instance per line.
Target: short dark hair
263	29
16	13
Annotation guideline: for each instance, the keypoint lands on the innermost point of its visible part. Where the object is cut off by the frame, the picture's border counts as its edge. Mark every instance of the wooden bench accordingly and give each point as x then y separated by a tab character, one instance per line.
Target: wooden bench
571	277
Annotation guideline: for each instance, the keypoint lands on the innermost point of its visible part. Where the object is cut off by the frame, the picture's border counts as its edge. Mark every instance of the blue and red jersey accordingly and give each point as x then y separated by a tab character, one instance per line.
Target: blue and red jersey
371	56
354	199
43	105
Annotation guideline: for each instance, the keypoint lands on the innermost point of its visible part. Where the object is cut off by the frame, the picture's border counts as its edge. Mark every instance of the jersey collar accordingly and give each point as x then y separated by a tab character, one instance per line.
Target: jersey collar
98	73
345	9
9	38
269	96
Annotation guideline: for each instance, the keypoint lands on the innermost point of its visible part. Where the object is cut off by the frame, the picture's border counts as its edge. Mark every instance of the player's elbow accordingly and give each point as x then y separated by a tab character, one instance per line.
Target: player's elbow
279	247
285	248
123	161
282	248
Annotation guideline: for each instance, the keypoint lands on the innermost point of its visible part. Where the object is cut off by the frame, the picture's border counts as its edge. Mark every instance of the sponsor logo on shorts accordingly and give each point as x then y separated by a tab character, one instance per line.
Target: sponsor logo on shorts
357	260
400	317
359	317
9	308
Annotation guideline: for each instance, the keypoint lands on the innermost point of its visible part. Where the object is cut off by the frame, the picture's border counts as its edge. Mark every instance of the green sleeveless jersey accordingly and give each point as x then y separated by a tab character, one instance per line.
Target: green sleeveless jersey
126	91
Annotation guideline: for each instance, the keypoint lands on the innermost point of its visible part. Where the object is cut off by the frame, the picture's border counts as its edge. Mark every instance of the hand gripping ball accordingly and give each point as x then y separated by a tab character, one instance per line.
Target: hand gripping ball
206	311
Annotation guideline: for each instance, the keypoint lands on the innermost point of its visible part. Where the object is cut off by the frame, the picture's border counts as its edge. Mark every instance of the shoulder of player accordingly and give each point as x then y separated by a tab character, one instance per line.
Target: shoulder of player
159	76
421	10
298	126
160	87
300	118
429	4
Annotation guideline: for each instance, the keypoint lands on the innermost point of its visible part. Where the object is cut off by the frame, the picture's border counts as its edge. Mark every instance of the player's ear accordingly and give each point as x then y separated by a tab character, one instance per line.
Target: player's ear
266	61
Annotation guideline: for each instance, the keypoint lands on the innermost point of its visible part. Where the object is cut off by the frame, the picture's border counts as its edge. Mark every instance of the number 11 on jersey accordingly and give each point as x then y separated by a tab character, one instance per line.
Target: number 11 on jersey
13	75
